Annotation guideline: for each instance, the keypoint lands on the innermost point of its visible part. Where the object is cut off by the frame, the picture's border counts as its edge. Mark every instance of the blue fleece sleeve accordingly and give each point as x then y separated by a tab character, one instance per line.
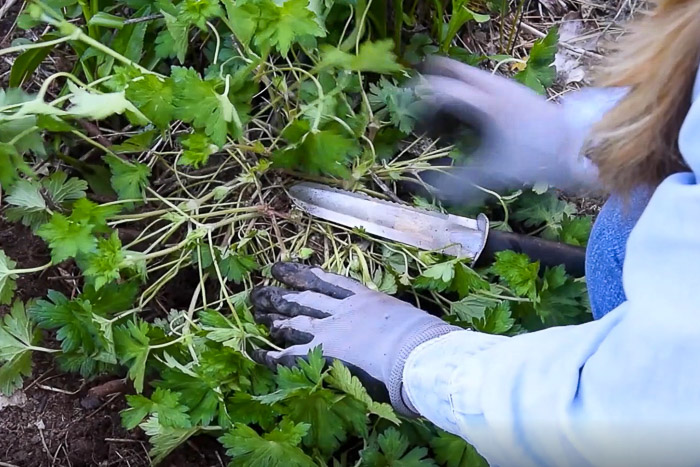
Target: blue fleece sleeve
623	390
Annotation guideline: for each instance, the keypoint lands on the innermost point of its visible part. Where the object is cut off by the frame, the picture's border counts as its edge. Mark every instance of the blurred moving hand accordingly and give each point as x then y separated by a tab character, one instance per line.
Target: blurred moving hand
523	139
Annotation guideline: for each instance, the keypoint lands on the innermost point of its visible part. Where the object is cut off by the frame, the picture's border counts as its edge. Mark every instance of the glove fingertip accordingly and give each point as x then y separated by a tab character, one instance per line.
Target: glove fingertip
285	271
269	358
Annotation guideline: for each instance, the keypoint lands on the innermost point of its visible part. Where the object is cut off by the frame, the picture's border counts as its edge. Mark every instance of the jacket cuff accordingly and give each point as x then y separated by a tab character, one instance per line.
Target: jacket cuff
395	384
430	372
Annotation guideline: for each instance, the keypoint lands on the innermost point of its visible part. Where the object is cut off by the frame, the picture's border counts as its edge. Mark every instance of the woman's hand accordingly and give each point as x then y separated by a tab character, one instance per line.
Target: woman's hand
522	138
371	332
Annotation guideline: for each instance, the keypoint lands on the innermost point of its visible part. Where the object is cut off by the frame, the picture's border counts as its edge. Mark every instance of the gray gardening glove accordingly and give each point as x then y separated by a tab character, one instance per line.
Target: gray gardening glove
518	137
371	332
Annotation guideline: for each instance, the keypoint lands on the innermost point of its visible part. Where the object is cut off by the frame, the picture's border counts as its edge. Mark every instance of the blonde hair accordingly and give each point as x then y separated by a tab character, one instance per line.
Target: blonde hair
637	142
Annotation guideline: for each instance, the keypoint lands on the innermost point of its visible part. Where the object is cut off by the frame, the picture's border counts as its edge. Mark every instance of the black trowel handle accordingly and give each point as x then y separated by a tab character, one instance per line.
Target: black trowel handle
548	253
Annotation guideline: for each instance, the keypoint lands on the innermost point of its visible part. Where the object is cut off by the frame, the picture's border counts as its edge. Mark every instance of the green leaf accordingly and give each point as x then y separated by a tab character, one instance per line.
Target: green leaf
93	214
329	417
132	345
540	73
13	371
385	281
27	62
198	12
460	16
17	334
376	57
129	180
73	235
112	298
533	210
221	329
420	46
205	387
236	266
243	18
390	450
154	97
316	152
198	148
7	279
106	20
306	375
437	277
104	264
172	41
273	25
470	308
163	402
401	104
341	379
66	237
518	272
575	230
95	106
82	326
197	102
249	411
28	198
466	281
453	451
62	189
11	162
278	448
165	439
562	299
140	142
73	320
496	320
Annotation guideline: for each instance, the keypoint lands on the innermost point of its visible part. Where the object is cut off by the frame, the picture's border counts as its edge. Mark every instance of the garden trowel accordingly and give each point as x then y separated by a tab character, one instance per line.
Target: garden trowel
429	230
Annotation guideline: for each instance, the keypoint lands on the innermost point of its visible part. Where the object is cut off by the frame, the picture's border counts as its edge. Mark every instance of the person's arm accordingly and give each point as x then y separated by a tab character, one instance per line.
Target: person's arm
624	390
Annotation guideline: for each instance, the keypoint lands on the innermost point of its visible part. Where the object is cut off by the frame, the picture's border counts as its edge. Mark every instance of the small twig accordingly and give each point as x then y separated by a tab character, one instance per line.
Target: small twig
4	9
385	189
43	442
59	390
121	440
94	131
143	19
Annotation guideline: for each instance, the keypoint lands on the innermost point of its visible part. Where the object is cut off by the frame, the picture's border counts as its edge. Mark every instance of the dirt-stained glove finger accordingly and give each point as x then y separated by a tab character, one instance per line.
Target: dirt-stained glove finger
294	331
303	277
290	336
276	300
263	317
287	357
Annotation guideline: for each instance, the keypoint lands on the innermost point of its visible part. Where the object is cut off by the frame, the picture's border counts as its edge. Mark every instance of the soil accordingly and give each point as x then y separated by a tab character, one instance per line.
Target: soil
55	420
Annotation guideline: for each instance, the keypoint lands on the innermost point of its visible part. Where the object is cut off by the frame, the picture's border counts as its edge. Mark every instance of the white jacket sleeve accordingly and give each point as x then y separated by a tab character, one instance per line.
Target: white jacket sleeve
623	390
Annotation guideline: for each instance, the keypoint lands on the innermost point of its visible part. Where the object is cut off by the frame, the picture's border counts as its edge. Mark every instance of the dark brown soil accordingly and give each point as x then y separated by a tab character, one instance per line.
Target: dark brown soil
51	426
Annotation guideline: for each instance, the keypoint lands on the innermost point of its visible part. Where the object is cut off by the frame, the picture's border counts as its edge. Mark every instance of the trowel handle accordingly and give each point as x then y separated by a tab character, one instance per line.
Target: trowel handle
548	253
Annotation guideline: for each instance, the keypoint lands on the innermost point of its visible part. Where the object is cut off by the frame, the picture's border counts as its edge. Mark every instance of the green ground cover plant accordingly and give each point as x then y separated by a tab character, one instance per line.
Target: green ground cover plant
159	152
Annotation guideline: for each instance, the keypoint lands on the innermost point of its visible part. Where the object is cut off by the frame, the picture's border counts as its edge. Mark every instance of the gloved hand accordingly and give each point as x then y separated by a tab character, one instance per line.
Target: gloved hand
522	138
373	333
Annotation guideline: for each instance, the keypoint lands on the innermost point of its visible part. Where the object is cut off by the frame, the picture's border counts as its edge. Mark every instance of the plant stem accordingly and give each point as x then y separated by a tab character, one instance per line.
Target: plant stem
37	45
31	270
